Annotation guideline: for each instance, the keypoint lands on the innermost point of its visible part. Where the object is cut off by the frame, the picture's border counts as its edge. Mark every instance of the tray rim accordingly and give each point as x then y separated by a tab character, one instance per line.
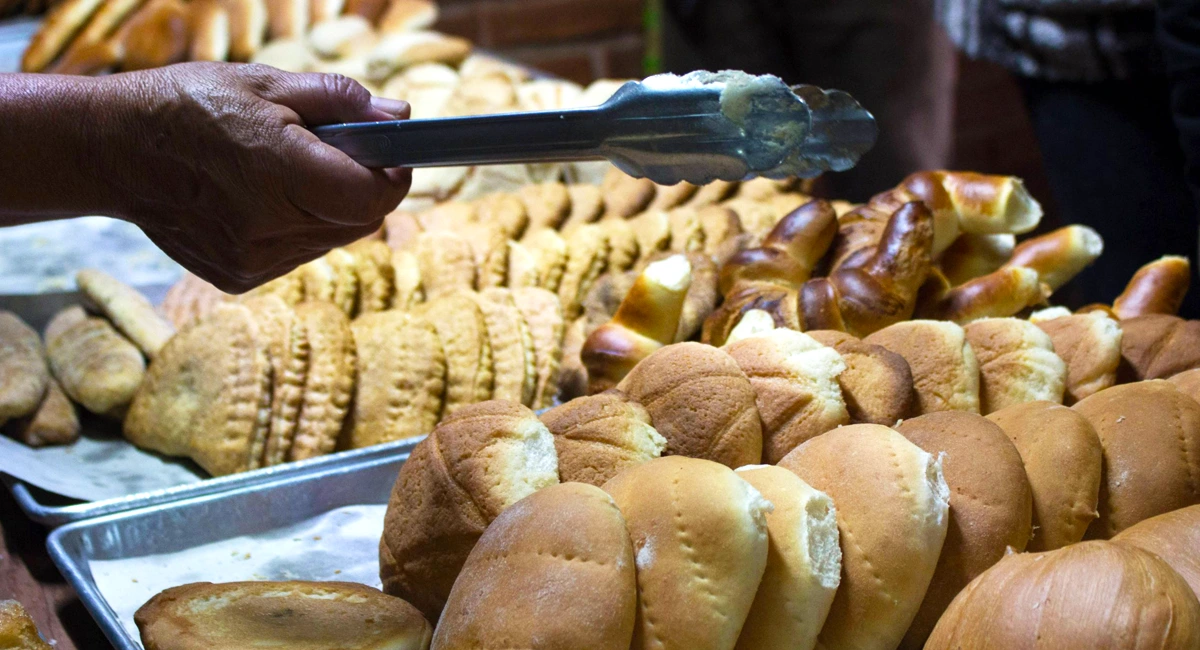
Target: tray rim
54	516
68	544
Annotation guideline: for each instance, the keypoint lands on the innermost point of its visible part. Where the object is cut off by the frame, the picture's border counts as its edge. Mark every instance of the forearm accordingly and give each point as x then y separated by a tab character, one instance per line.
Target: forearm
52	129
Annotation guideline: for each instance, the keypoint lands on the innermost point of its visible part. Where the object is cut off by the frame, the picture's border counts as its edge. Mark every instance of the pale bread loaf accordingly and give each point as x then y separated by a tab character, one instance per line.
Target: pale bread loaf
1090	345
804	563
1063	459
944	368
1188	383
1151	437
990	505
795	386
598	436
877	383
1174	537
700	542
892	512
555	570
477	462
1017	363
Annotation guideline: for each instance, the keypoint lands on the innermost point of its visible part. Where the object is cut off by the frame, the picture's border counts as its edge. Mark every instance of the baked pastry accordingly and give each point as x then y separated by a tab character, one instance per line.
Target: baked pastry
720	226
1090	345
700	541
1174	537
1063	460
408	15
788	253
543	316
1156	288
17	629
409	286
563	544
248	29
647	319
781	303
547	204
96	366
879	286
23	371
477	462
572	375
295	614
803	565
1157	346
1001	293
338	36
1140	426
209	24
205	394
93	49
446	261
598	436
877	383
795	385
972	256
670	196
892	512
990	505
549	250
53	422
1017	363
329	381
622	245
624	195
513	356
944	369
1060	255
462	328
155	36
127	309
1089	595
700	401
587	204
61	25
376	277
686	234
586	258
400	50
489	246
401	379
1188	383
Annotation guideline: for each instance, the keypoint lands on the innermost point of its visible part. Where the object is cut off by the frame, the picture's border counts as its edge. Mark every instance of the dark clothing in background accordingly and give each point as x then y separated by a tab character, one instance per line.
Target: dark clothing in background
891	56
1179	38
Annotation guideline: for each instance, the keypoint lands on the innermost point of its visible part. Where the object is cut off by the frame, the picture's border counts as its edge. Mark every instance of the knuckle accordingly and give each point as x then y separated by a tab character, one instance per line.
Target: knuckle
340	85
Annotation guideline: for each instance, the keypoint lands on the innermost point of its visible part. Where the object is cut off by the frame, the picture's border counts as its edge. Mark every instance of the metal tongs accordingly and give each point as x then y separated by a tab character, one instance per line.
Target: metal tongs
666	128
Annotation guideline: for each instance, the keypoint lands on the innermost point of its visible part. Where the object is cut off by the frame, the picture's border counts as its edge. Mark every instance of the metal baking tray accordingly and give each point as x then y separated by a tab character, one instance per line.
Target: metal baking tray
181	525
54	510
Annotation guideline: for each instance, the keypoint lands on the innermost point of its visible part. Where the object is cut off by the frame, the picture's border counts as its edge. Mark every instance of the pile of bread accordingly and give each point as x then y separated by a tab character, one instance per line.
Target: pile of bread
94	357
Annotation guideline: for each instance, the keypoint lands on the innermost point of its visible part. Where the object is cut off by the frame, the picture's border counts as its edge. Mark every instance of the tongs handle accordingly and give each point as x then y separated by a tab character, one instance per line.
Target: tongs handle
541	136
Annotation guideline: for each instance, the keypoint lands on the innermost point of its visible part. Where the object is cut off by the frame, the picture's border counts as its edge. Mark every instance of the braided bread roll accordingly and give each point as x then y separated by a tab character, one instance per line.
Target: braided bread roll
789	252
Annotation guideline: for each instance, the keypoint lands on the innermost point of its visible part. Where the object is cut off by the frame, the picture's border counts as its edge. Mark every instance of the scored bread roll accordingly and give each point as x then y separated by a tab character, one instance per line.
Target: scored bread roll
700	401
1063	460
804	563
1174	537
944	368
599	436
1017	363
700	541
477	462
555	570
1085	596
295	614
1158	346
892	512
1151	437
1090	345
795	386
877	383
990	505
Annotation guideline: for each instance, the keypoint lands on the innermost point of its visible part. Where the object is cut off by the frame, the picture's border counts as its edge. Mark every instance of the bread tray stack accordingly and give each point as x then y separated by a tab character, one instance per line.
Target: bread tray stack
266	518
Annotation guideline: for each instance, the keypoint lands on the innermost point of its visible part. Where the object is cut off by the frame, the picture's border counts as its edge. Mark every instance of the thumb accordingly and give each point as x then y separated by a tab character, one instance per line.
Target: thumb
319	98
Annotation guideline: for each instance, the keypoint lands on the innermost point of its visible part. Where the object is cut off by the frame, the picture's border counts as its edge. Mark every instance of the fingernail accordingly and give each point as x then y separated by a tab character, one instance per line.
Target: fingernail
390	106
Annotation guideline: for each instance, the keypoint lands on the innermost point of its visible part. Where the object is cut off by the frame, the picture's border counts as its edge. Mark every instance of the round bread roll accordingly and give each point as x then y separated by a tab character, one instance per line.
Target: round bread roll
700	541
1188	383
700	401
877	383
299	615
1158	346
1151	437
477	462
944	369
1090	345
555	570
795	387
1063	460
892	511
598	436
1174	537
804	563
1081	597
1017	363
990	505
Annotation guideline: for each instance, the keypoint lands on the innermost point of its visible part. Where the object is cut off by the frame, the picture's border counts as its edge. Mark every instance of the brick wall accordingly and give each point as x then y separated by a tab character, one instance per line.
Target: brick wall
580	40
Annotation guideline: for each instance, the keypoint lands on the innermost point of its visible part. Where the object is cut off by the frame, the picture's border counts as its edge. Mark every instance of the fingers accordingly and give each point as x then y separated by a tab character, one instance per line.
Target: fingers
328	99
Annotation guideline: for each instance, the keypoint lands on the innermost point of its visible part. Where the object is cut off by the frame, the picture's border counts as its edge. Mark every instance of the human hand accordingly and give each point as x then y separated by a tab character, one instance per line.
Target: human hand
216	164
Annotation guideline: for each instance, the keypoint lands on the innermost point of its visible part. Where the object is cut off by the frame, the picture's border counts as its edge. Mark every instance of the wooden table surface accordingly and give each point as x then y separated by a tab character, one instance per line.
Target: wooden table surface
28	575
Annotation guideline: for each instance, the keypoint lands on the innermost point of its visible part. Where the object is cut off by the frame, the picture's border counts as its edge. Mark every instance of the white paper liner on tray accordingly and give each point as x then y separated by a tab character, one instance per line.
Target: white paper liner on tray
93	468
342	545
